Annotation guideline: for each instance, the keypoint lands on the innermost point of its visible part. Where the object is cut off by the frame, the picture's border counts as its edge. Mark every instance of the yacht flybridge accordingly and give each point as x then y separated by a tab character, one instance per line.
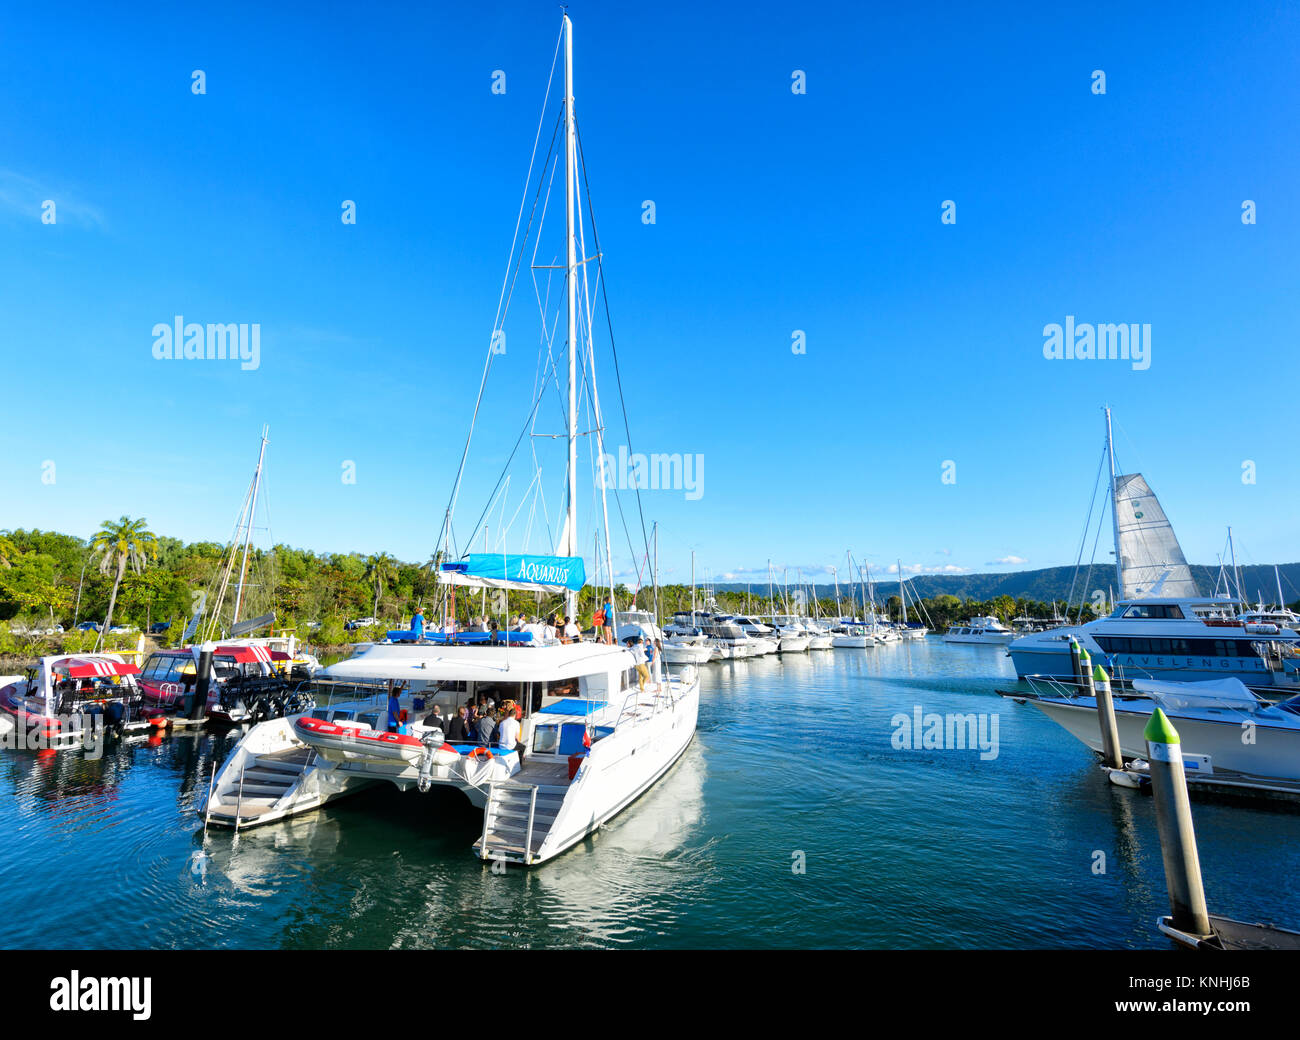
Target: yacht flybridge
573	733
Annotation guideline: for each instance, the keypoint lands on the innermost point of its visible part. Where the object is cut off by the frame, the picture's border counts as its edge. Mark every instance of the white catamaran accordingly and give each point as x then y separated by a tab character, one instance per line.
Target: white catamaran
592	735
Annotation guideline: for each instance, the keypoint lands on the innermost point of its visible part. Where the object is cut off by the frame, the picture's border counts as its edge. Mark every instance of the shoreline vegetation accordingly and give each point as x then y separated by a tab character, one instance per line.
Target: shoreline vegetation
135	579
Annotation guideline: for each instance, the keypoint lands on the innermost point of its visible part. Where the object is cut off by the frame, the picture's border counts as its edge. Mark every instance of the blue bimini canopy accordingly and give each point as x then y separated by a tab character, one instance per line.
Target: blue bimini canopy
506	571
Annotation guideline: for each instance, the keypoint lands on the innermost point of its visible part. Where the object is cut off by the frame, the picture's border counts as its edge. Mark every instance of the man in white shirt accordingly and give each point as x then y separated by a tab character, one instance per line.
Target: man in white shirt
572	633
508	737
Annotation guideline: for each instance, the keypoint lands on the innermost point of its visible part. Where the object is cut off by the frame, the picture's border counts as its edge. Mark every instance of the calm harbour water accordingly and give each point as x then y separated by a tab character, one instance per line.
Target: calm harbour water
902	848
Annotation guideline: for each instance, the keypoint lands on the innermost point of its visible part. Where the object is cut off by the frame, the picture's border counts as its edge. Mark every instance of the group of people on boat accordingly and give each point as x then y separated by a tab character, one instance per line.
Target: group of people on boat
484	723
554	628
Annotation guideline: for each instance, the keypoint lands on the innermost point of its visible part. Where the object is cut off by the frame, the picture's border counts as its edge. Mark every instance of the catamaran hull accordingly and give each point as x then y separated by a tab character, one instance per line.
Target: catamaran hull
618	770
1275	752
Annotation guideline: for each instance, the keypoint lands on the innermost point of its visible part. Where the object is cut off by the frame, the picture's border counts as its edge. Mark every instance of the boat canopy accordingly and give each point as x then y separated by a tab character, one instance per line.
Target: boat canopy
1212	693
91	667
250	653
506	571
408	662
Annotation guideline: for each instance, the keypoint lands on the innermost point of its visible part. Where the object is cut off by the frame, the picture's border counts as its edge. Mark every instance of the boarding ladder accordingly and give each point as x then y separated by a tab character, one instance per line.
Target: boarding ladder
516	821
261	783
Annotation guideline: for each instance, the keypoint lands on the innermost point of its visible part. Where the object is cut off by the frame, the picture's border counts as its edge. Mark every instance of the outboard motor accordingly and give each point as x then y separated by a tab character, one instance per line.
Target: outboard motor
114	716
431	741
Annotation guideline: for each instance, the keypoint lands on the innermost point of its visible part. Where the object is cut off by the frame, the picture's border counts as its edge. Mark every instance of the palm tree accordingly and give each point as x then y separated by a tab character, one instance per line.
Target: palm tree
117	545
380	571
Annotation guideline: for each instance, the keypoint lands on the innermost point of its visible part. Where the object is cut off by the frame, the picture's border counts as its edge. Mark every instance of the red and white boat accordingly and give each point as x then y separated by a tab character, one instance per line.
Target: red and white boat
66	698
169	675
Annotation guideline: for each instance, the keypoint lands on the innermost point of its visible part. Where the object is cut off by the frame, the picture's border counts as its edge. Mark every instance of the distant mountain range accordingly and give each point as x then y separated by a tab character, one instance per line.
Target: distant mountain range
1053	583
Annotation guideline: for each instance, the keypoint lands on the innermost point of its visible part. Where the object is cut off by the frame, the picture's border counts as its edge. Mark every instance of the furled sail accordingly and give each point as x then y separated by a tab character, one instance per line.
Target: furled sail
509	571
1151	562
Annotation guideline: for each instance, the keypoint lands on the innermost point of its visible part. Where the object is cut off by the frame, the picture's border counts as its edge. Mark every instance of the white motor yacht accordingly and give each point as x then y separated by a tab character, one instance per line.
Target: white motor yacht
980	630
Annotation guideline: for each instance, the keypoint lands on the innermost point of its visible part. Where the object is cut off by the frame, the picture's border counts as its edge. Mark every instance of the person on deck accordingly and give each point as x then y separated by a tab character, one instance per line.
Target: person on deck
485	727
417	623
457	728
572	633
436	718
508	732
394	708
639	656
607	629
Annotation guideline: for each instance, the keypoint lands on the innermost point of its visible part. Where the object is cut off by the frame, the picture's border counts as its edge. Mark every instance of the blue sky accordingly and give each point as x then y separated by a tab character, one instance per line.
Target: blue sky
775	212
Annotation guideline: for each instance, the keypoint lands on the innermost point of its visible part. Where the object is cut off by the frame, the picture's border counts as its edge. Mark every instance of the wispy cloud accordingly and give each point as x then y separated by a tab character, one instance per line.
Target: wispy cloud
1007	561
920	568
24	196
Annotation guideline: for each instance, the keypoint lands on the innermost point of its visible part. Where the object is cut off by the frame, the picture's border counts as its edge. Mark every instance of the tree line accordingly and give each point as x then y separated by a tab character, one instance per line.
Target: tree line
125	575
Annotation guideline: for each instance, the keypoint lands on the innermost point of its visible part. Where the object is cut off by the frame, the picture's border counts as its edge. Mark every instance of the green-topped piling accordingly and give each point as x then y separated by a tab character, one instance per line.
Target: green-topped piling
1111	752
1174	822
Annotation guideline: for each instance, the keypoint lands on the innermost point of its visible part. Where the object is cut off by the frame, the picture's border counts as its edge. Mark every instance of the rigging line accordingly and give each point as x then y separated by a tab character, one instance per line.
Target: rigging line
1101	522
503	298
519	260
594	422
1083	539
618	378
510	458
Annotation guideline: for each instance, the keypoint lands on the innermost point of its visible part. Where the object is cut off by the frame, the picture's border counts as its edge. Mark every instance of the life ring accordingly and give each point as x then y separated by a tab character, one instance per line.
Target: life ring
479	752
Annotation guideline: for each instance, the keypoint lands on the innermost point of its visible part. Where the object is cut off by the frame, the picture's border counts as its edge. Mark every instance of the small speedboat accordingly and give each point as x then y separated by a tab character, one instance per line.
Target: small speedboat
68	699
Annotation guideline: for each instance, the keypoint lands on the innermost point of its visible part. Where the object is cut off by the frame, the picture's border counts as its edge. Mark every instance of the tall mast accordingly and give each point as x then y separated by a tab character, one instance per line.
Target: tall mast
902	596
571	277
655	573
1114	502
1281	604
692	586
248	538
1236	574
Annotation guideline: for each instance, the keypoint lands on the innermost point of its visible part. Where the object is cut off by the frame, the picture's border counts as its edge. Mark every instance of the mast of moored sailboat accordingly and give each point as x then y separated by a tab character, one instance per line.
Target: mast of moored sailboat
248	537
571	278
1114	511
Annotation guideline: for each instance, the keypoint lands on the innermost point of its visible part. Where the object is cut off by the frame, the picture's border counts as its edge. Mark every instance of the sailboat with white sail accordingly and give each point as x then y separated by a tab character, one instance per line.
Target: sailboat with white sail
1161	628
